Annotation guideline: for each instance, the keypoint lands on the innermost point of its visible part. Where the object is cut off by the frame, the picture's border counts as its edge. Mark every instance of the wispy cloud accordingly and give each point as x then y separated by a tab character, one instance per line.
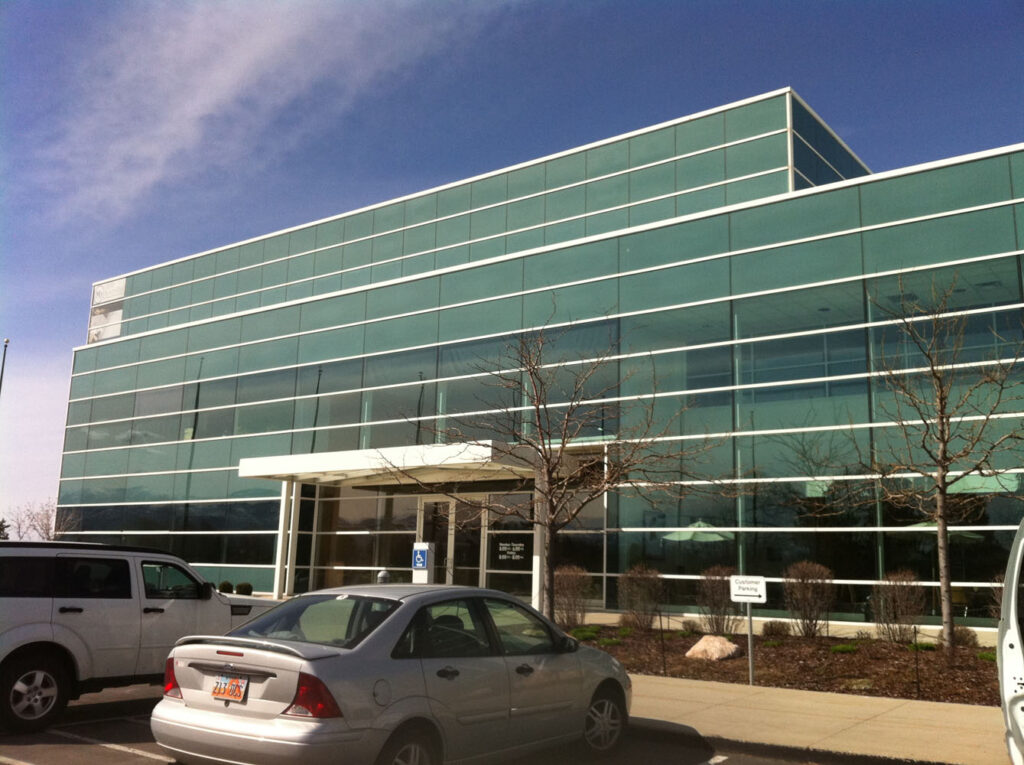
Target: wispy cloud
176	88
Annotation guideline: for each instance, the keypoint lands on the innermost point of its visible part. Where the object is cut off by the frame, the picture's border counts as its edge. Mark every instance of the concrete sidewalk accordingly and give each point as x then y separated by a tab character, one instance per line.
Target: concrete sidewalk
922	731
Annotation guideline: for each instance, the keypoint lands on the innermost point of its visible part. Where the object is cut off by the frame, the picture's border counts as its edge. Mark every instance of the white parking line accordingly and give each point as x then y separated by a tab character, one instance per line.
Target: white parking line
97	720
115	747
9	761
717	760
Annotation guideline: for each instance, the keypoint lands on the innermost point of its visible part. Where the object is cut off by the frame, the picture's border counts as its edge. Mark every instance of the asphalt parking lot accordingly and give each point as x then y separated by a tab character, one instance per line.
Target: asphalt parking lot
108	728
112	728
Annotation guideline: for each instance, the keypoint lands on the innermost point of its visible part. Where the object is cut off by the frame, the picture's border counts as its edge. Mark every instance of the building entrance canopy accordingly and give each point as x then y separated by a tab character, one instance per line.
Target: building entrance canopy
425	464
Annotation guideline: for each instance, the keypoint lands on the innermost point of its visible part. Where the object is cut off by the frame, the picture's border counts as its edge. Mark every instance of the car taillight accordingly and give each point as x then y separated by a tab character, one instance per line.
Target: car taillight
312	699
171	687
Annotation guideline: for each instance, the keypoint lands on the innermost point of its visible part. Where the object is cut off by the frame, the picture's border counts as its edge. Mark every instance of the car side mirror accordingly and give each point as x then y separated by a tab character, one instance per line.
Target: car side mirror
205	591
568	644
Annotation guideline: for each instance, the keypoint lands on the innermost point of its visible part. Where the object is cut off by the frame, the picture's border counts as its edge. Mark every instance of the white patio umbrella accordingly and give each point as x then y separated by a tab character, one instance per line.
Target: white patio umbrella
932	526
698	531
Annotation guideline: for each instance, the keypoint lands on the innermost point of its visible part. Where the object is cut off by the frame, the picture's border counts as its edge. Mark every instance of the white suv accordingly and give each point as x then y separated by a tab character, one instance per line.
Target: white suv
76	618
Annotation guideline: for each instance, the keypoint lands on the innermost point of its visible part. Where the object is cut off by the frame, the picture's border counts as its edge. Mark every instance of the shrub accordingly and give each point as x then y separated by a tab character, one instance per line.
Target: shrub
771	643
862	635
607	642
776	629
809	594
244	588
625	632
844	648
717	611
691	626
639	596
898	602
965	636
922	646
573	586
585	633
987	655
226	586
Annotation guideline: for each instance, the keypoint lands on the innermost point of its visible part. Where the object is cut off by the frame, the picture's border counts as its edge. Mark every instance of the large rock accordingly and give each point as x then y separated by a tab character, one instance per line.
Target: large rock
714	648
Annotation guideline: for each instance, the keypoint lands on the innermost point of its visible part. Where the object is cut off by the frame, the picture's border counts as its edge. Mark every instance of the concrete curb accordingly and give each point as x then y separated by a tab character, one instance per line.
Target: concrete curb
818	756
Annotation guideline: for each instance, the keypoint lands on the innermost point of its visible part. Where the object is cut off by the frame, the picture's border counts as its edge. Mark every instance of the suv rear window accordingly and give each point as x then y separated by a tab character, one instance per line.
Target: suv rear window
23	576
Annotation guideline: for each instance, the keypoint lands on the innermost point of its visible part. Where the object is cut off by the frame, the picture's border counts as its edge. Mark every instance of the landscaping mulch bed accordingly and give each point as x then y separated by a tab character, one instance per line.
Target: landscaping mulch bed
867	667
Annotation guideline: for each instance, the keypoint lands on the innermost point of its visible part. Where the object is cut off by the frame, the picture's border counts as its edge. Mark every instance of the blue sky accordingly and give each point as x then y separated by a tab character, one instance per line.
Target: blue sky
133	133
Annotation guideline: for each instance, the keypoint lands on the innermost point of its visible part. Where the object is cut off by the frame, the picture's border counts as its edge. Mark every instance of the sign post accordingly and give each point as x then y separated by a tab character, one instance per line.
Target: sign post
423	563
748	589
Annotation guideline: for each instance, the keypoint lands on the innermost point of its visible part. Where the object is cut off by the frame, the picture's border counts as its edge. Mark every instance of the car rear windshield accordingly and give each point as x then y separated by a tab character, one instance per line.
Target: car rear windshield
339	620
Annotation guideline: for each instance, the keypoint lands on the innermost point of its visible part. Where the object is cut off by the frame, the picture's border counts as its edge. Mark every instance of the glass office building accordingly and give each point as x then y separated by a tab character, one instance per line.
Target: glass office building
226	404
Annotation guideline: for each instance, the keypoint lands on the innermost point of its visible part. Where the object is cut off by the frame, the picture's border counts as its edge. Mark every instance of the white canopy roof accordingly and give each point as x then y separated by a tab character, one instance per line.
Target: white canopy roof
432	463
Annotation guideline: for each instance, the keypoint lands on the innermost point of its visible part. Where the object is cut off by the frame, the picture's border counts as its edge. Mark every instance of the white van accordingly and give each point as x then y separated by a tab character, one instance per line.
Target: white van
1010	651
80	617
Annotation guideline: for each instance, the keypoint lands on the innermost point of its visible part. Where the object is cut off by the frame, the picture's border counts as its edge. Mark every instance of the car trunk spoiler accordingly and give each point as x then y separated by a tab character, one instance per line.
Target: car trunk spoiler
308	651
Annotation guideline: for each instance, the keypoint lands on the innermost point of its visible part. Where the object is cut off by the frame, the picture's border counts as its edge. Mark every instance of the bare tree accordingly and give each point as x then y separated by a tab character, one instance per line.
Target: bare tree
568	437
947	411
34	520
953	412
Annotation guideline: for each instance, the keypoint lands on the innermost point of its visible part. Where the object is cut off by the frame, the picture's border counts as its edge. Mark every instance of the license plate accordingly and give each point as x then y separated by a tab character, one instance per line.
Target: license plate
230	687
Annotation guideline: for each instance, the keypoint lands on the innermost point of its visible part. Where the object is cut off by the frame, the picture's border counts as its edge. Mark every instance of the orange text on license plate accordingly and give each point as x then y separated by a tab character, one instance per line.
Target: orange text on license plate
230	687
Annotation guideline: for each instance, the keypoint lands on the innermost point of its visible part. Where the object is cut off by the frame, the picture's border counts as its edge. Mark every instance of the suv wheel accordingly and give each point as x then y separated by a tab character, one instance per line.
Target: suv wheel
33	692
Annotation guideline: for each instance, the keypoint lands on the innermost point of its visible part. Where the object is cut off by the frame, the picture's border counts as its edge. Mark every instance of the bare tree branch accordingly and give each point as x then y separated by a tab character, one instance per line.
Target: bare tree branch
568	436
35	520
952	412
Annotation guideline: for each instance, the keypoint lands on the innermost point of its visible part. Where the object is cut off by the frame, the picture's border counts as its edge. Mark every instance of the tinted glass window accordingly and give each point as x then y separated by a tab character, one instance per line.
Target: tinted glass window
520	631
26	577
340	620
163	580
445	630
93	578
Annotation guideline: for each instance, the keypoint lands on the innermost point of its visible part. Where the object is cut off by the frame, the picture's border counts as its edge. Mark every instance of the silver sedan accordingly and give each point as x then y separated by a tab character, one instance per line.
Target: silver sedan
388	674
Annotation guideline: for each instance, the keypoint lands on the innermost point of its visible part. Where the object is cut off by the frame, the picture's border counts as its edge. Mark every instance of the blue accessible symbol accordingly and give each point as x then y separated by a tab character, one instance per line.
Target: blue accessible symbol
419	558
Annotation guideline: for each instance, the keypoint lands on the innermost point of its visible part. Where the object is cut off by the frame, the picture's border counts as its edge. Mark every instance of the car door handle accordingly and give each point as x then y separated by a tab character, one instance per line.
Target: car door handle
524	669
448	673
152	610
70	610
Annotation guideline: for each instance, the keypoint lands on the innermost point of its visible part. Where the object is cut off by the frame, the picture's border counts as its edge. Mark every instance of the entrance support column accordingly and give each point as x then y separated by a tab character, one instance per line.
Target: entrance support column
293	536
540	519
537	583
283	524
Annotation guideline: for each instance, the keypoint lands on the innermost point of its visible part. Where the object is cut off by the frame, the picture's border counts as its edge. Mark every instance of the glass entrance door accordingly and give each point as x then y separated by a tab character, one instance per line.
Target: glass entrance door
455	530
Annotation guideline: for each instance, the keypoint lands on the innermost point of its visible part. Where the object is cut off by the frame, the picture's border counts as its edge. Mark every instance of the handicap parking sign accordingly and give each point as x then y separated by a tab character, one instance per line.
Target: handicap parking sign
419	558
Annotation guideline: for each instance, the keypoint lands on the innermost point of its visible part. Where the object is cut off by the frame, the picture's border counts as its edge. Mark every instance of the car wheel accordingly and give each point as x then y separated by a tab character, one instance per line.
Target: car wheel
605	723
408	748
34	692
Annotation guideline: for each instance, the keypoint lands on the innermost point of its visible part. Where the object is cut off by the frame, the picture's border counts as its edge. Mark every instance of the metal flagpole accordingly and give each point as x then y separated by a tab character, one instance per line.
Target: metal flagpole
3	363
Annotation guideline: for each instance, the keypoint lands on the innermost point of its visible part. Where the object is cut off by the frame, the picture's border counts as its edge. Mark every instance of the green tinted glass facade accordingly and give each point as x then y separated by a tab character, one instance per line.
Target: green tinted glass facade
740	251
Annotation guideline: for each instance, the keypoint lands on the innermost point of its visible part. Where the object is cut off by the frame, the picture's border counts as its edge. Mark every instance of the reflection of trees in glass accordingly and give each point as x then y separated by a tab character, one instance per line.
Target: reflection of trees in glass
947	411
551	404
